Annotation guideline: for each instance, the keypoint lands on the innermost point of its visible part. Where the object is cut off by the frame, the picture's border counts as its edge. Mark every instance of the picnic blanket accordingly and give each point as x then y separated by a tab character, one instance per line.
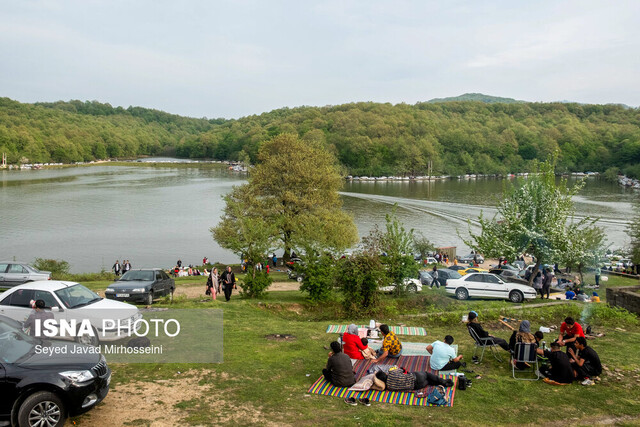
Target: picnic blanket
410	363
410	348
398	330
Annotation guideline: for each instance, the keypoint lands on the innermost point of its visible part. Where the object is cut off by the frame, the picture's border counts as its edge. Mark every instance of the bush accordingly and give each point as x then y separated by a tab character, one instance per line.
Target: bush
318	277
58	268
360	276
254	287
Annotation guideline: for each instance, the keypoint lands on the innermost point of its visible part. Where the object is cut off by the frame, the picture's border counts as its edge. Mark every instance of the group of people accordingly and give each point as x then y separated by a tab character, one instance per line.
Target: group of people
218	283
580	362
339	369
542	281
121	268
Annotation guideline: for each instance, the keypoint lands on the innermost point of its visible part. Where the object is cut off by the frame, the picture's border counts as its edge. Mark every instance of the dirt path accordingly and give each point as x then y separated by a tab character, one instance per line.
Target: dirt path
160	403
195	291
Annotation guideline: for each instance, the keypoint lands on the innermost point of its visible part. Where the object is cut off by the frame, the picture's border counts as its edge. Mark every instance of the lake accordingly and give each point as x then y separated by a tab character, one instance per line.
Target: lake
153	216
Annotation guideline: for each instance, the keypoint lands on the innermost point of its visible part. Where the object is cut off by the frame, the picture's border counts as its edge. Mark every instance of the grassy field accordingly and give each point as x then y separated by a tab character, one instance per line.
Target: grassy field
266	382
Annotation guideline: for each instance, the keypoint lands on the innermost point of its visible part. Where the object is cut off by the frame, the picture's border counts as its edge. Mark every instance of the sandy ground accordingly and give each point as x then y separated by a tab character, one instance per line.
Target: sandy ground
154	403
195	291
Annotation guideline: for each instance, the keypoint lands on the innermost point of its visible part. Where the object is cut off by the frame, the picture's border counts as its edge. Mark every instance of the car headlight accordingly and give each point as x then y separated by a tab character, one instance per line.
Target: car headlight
77	376
110	290
139	290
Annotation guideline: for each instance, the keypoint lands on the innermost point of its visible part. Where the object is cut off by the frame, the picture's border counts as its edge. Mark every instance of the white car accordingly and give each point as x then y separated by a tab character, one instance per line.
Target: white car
488	285
71	302
411	286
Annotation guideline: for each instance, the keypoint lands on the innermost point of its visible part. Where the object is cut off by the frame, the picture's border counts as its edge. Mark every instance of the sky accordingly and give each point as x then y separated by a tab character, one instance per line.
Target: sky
237	58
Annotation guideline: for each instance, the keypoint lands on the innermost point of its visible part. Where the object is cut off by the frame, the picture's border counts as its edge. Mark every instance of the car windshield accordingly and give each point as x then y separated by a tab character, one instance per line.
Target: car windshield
77	296
14	344
137	275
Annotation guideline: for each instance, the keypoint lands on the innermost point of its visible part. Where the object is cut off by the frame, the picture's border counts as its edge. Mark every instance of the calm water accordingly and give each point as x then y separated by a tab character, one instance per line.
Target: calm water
91	216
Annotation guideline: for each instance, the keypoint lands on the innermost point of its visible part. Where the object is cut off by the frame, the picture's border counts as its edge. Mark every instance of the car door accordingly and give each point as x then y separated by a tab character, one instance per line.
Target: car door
7	391
17	305
474	284
16	274
494	287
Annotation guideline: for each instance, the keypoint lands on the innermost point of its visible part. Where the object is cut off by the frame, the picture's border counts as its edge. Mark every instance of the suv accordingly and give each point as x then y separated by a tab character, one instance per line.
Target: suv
43	389
16	273
141	286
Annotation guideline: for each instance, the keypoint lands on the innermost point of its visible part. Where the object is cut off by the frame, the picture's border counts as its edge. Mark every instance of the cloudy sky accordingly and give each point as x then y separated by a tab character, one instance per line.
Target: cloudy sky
237	58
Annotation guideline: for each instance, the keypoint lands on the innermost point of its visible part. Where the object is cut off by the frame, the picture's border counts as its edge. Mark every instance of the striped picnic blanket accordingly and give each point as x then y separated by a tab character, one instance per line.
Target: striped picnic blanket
410	363
398	330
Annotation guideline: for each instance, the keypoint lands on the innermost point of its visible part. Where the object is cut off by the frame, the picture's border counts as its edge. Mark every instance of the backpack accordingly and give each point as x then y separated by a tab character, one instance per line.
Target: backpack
437	397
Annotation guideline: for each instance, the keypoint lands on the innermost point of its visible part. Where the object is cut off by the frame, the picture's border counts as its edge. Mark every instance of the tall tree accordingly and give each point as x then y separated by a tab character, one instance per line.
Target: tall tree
296	186
534	217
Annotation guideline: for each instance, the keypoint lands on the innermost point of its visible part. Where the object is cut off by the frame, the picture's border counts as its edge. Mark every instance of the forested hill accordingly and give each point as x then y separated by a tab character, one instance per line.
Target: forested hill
480	97
368	138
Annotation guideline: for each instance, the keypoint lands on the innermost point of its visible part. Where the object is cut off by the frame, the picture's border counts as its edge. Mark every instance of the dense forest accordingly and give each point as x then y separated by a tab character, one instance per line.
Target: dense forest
373	139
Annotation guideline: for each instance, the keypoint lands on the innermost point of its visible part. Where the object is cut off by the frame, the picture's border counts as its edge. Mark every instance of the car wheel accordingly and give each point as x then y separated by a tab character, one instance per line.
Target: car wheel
42	409
299	279
87	339
149	298
412	288
462	294
516	297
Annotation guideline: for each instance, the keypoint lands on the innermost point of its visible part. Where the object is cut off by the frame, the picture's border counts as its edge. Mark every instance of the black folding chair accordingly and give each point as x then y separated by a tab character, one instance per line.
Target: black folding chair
525	353
484	343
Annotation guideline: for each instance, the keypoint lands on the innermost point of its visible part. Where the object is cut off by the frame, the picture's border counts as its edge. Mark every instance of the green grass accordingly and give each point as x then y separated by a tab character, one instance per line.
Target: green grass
273	377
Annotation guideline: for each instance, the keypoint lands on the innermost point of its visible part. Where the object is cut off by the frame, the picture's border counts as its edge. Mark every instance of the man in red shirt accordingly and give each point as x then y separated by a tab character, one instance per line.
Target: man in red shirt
569	331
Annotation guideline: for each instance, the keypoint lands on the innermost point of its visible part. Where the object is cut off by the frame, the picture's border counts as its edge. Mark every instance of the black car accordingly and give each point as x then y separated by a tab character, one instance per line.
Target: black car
445	274
141	286
43	382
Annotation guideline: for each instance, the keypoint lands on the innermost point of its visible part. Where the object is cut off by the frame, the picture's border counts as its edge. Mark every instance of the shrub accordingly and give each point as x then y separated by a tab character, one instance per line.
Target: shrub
57	268
255	286
318	277
360	276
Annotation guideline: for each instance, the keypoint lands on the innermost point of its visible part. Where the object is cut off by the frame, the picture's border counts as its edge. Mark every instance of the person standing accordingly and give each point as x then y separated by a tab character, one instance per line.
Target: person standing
116	268
546	282
179	263
274	259
537	283
229	283
598	273
126	266
434	274
214	282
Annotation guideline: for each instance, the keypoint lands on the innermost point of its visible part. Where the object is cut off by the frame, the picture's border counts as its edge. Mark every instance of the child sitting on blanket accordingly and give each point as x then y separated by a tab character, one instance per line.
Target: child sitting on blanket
368	353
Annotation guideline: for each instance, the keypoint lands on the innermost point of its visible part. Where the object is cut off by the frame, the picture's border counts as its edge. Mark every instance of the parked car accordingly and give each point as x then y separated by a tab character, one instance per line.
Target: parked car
41	389
141	286
426	261
69	301
469	258
294	274
446	274
425	278
17	273
466	271
410	285
457	267
509	275
488	285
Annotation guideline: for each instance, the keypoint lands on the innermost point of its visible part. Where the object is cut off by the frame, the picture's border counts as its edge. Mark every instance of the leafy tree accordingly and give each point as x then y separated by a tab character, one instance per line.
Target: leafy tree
534	217
296	189
318	272
422	245
395	245
58	268
360	276
585	247
245	232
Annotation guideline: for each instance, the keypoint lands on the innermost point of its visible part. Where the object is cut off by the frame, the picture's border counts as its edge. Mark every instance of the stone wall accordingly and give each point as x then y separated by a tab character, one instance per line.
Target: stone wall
625	297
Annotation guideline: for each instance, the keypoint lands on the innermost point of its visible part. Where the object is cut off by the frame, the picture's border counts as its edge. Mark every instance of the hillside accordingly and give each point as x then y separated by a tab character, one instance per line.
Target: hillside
367	138
479	97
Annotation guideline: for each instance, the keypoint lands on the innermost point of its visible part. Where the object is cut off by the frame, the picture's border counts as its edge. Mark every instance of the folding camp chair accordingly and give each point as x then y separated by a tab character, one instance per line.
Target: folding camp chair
484	343
525	353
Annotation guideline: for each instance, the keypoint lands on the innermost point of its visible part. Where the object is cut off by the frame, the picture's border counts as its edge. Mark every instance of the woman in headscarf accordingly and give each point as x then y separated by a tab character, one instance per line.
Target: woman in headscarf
351	343
523	335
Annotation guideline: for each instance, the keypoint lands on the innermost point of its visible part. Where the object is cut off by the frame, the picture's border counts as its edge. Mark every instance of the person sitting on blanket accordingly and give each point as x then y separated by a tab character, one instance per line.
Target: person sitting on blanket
443	356
522	335
391	345
569	331
351	344
368	353
586	362
339	370
561	370
477	328
400	380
